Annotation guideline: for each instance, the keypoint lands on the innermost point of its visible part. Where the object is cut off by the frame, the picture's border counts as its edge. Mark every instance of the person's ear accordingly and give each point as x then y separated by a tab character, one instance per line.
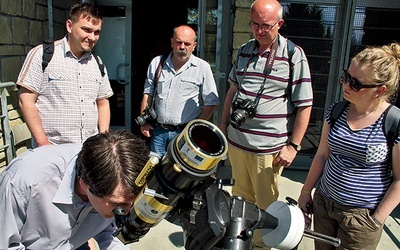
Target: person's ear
68	25
280	23
83	185
380	90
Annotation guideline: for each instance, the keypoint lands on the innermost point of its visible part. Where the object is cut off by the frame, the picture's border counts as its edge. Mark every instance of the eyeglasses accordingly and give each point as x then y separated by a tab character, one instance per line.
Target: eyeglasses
263	27
354	84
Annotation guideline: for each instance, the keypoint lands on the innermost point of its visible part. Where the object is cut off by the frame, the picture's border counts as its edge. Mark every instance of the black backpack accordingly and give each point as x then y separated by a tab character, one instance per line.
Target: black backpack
391	120
48	51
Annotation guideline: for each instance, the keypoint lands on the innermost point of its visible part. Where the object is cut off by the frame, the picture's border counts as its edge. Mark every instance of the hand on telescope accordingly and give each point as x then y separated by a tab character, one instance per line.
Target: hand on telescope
305	202
146	129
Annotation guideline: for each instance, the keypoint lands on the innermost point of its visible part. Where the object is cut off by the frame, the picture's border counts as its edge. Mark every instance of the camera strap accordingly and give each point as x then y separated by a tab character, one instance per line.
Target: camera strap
156	77
267	69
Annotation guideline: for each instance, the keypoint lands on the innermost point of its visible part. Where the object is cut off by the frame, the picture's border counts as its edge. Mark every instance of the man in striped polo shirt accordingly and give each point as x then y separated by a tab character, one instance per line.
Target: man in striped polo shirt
274	93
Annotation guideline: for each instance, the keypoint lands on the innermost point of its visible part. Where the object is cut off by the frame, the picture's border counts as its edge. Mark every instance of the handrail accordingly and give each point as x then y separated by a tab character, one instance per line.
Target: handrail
5	121
7	84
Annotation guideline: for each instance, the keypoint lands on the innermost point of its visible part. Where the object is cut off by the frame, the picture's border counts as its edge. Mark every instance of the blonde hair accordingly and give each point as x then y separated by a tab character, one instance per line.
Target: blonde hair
385	65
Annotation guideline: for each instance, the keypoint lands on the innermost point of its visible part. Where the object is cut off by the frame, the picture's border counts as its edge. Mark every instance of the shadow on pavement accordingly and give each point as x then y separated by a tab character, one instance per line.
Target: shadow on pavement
176	239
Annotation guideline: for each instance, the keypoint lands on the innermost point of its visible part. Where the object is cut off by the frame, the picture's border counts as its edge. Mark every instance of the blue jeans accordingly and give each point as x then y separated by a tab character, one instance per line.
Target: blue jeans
161	138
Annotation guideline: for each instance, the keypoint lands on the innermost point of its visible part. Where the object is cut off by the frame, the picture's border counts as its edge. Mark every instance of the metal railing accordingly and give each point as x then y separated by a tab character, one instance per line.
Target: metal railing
5	123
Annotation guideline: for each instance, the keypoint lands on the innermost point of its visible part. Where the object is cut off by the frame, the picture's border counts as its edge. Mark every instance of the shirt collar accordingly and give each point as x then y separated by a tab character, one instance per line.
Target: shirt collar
68	52
65	193
193	62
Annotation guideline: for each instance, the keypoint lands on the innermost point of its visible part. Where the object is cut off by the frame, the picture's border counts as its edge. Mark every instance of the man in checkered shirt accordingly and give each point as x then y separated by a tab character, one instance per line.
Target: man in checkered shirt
68	101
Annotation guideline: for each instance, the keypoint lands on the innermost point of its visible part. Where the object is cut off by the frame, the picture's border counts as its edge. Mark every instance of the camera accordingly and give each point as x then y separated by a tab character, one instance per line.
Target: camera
241	110
149	115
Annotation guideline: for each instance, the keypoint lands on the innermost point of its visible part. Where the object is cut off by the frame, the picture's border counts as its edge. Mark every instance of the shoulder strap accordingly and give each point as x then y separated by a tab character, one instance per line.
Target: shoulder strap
48	51
337	110
290	46
391	120
391	124
99	63
156	77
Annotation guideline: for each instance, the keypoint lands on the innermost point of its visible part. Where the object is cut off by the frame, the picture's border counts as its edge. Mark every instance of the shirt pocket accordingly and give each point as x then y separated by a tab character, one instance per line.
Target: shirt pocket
162	90
59	83
92	86
376	153
188	87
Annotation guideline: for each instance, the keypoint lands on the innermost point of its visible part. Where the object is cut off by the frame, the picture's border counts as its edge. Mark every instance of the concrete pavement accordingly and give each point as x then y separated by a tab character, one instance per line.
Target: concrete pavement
167	235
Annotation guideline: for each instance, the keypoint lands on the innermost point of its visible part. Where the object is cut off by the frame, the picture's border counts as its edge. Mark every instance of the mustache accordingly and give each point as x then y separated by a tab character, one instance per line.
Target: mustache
181	52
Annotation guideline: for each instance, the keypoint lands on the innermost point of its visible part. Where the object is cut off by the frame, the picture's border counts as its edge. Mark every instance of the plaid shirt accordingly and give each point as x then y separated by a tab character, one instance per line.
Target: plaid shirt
67	92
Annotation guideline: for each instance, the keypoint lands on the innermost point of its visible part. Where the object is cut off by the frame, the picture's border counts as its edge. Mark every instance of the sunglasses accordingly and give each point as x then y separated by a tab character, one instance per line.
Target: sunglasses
354	84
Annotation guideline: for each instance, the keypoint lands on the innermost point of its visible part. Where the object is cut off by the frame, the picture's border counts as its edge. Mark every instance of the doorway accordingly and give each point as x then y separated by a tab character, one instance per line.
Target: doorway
114	47
147	29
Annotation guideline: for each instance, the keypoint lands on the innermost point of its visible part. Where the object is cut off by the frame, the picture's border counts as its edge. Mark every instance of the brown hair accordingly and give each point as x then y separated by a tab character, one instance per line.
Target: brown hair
85	10
110	158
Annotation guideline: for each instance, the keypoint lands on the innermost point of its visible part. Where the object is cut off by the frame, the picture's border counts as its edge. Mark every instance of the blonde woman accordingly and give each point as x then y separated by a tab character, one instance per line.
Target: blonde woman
355	170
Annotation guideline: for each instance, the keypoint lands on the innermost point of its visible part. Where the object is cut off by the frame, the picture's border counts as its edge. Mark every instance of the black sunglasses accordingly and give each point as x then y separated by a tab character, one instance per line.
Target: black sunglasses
355	85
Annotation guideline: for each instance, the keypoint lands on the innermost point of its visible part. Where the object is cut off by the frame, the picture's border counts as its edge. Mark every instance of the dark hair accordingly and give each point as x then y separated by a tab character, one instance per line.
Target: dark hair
85	10
110	158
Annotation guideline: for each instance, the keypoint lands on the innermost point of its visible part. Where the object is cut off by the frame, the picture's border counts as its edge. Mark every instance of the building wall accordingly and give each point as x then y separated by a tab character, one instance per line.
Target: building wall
241	29
23	25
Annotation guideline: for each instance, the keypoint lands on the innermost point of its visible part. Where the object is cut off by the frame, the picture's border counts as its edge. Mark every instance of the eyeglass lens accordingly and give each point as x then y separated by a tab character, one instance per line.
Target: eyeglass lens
353	82
262	27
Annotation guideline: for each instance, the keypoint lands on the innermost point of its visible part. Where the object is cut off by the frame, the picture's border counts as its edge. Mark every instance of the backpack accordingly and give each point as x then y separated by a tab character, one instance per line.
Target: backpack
48	51
391	120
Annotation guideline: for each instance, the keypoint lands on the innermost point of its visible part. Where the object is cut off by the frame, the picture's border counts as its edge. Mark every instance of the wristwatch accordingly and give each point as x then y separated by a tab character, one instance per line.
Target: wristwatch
295	146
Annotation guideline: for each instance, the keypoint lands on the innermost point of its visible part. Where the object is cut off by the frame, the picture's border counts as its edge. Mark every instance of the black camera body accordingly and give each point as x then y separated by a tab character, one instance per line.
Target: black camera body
241	110
149	115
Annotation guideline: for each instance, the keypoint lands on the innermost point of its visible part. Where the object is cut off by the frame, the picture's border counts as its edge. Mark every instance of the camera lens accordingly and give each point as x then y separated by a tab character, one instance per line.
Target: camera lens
141	120
237	118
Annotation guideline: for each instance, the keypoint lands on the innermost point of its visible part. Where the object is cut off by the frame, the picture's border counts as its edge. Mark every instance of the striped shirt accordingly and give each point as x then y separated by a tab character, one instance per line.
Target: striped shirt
358	171
273	123
67	92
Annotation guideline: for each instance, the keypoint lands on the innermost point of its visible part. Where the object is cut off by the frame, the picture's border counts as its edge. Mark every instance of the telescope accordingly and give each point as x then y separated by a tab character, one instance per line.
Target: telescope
182	186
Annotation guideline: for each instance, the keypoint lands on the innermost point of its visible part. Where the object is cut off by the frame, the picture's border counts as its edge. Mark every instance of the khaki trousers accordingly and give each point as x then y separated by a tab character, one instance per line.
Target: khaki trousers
255	180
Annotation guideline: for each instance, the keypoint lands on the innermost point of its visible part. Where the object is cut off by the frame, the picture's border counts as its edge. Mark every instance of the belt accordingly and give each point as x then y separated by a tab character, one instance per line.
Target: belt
170	127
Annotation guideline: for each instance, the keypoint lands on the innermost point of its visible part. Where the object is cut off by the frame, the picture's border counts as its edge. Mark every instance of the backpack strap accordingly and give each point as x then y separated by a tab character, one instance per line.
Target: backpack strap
99	63
391	120
48	51
290	46
337	110
391	124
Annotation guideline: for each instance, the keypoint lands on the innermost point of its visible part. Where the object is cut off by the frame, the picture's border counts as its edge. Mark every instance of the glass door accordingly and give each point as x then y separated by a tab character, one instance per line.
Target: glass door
214	25
114	47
